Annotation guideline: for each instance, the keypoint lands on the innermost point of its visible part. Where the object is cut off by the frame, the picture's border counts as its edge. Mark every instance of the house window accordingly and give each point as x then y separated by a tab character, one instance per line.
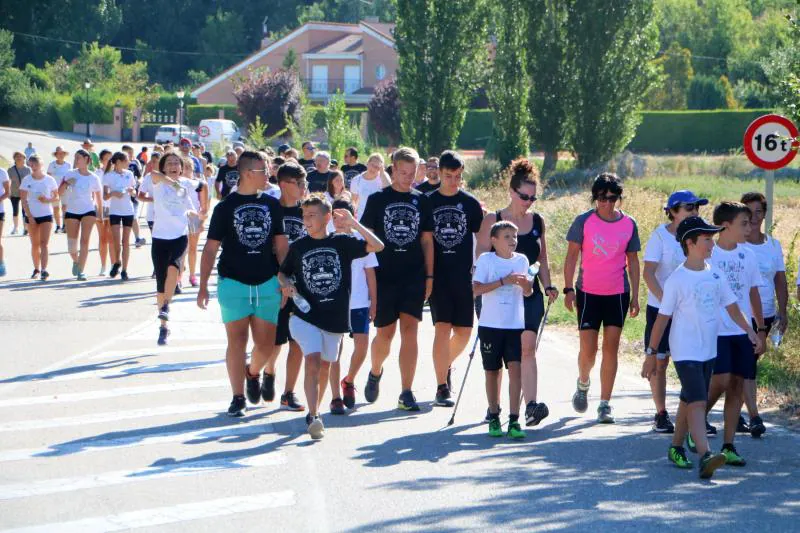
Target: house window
380	72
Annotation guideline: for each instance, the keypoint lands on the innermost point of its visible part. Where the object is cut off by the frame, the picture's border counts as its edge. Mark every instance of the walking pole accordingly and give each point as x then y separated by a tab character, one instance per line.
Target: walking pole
541	327
464	381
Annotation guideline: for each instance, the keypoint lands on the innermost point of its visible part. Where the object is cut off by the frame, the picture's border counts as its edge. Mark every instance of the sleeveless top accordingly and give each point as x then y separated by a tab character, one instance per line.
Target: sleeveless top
528	243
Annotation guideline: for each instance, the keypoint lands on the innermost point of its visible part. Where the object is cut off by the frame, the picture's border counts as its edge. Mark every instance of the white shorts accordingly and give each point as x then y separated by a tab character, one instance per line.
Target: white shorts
314	340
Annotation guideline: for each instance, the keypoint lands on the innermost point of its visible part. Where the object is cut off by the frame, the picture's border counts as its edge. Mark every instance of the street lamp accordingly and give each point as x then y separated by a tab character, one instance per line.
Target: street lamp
87	85
180	94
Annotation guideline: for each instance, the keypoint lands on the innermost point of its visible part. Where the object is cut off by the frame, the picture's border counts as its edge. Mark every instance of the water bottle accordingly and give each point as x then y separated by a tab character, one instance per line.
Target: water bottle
302	304
775	333
533	271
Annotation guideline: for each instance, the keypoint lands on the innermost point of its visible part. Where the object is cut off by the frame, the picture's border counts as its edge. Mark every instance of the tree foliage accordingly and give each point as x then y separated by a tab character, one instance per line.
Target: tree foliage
675	73
783	69
223	33
384	110
274	96
706	92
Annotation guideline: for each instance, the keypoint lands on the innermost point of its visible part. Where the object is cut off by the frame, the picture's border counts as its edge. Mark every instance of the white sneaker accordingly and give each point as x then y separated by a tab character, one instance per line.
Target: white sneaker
316	429
14	231
102	272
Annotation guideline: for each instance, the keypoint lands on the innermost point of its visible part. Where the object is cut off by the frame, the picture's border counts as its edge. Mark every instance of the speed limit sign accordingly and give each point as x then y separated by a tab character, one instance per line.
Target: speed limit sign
204	131
769	142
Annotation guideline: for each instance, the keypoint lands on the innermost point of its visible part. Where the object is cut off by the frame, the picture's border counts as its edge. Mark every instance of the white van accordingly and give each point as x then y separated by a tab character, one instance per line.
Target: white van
174	133
218	130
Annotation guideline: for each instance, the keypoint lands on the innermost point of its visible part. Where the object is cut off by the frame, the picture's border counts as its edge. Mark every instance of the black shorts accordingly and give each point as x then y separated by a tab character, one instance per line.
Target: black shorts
150	224
663	347
125	220
695	377
451	303
2	216
401	296
595	310
42	220
499	346
15	205
166	253
735	355
768	321
534	311
282	334
75	216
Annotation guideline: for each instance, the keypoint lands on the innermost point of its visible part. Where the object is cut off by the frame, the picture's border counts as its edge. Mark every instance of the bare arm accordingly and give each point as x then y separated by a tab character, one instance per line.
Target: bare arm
372	289
650	280
206	265
98	203
650	363
633	268
521	280
281	247
544	268
570	263
736	315
427	251
782	294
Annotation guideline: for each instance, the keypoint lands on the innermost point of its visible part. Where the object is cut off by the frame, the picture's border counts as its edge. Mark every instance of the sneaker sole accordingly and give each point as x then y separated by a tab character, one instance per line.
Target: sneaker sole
737	464
342	412
540	412
444	403
518	437
290	408
657	429
349	403
580	408
713	464
316	429
238	414
496	435
757	432
404	407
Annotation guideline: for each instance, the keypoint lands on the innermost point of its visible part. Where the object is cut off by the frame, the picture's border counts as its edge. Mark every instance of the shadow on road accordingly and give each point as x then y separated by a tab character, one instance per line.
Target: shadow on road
106	365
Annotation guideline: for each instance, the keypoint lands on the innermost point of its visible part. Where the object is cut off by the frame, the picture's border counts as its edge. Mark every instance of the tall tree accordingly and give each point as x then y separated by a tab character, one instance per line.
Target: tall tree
223	33
610	52
508	84
442	49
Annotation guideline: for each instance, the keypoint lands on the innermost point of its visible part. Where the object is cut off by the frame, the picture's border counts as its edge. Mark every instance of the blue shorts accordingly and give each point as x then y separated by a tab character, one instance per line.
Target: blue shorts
359	321
238	300
663	346
735	355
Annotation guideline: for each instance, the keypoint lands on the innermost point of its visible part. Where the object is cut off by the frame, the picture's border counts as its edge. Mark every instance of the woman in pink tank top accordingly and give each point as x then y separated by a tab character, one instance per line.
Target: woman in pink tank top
607	242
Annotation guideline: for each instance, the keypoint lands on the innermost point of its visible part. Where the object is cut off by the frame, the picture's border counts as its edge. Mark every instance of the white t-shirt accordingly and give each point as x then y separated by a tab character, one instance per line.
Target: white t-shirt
693	299
170	220
273	191
100	175
116	182
3	180
359	290
739	268
503	307
147	188
662	248
81	192
363	188
46	187
770	260
58	170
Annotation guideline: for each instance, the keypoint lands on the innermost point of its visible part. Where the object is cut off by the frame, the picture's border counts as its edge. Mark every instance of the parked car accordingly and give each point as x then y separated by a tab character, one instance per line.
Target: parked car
218	130
174	133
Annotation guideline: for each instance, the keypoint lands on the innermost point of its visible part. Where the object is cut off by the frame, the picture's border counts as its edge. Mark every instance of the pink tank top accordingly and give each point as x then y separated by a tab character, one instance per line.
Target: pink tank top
603	258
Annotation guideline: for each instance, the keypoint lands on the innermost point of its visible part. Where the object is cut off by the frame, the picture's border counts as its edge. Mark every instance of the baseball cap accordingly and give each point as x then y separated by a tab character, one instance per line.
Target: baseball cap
684	197
238	144
184	141
282	148
693	225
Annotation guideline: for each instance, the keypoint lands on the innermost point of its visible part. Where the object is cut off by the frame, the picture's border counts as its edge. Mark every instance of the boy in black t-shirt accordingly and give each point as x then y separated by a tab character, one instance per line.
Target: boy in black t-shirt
401	217
319	175
351	167
309	153
317	268
227	175
457	217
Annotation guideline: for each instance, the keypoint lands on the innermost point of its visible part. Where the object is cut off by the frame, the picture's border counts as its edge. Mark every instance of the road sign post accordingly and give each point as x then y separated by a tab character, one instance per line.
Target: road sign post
769	143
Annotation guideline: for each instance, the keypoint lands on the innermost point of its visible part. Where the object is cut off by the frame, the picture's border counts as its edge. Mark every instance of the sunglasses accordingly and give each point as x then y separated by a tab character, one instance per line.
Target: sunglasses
609	198
526	197
689	206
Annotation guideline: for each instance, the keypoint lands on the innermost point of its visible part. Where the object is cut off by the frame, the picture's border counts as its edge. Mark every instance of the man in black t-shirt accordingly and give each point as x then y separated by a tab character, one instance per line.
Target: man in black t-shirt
401	217
351	167
309	153
248	226
317	268
457	217
319	175
227	175
432	179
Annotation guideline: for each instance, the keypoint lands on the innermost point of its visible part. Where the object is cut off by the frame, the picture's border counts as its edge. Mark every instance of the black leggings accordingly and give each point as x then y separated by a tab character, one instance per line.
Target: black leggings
166	253
15	205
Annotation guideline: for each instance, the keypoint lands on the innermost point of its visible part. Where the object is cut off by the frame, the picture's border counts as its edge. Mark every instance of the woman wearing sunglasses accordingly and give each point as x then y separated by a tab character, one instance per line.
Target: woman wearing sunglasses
523	185
607	242
662	255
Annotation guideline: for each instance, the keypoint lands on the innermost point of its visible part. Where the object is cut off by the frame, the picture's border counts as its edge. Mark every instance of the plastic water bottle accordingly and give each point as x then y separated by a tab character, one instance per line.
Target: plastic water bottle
533	270
302	304
775	334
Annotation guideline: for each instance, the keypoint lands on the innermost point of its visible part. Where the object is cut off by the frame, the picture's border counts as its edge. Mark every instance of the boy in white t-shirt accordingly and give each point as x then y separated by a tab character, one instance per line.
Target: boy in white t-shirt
363	305
501	280
692	296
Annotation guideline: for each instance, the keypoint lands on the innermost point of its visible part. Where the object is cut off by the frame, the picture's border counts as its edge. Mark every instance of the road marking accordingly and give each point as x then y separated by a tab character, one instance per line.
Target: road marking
159	350
45	487
112	393
174	514
138	439
100	418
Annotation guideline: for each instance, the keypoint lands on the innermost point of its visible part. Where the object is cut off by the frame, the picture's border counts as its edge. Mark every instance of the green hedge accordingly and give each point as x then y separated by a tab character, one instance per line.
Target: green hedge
477	129
197	112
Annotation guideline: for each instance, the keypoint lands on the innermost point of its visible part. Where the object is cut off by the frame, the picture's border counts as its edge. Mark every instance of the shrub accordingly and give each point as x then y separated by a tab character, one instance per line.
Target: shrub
272	95
482	173
384	110
477	129
197	112
706	92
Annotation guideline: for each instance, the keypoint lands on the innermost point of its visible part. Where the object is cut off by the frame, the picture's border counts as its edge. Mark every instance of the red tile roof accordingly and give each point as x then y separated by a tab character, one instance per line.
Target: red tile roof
347	44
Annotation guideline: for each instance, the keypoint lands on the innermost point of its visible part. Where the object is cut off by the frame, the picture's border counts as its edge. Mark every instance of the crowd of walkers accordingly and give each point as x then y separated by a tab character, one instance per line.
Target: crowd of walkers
307	251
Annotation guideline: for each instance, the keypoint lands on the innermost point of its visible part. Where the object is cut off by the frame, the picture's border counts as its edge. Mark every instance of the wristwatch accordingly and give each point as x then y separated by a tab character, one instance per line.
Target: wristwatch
762	329
568	290
649	351
551	288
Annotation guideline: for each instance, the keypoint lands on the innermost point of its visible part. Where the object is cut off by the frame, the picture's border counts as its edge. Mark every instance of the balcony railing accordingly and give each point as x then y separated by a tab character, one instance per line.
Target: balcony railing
326	86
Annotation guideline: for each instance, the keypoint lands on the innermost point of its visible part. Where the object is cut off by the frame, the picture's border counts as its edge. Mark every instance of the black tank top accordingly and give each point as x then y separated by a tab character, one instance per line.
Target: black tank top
528	243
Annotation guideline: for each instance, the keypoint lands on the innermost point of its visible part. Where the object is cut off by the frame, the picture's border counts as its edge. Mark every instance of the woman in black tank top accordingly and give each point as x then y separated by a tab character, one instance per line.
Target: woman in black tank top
523	186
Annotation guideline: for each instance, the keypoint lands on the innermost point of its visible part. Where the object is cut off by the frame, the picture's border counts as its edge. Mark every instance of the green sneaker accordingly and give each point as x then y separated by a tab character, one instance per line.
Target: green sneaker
709	463
515	431
690	443
677	455
731	456
75	269
495	430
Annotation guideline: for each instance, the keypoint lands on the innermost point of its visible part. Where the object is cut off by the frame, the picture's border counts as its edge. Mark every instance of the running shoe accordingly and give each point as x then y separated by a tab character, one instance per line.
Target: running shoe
25	233
443	397
267	387
138	243
81	276
604	415
123	275
690	443
407	401
35	274
163	313
44	275
337	407
316	428
741	426
489	414
711	431
373	388
580	402
535	413
514	431
732	457
2	269
114	270
193	281
14	231
238	406
709	463
757	427
102	271
309	419
495	429
163	333
289	401
349	394
253	386
178	289
75	269
677	456
662	423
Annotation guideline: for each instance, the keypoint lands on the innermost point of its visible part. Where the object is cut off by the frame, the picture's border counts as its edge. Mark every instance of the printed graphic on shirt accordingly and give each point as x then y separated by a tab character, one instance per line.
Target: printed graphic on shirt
401	223
604	247
735	273
706	296
449	226
252	224
232	179
322	271
293	227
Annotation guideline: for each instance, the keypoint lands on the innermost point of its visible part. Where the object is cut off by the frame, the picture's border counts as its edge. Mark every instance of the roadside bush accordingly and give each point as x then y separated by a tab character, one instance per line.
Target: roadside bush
706	92
482	173
272	95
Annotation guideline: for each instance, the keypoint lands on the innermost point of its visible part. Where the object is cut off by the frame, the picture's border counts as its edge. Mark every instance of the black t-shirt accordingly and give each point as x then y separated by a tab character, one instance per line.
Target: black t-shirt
293	225
318	181
229	177
307	164
246	227
455	219
351	171
427	187
321	270
208	157
398	219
